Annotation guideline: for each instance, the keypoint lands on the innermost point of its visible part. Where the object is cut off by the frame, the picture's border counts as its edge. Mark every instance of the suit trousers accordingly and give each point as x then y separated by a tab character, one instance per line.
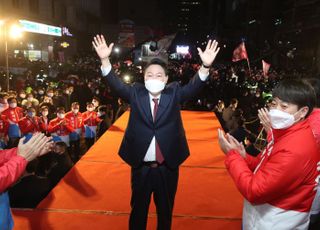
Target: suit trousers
162	183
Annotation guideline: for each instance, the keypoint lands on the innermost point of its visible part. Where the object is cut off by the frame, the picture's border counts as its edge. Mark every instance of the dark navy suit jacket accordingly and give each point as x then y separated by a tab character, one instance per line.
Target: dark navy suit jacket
167	128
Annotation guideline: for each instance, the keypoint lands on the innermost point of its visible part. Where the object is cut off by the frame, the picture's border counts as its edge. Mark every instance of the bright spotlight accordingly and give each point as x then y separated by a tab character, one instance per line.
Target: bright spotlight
117	50
126	78
15	31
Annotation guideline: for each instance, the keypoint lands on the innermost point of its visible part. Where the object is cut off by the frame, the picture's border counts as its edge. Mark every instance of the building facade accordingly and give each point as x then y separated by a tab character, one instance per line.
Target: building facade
79	20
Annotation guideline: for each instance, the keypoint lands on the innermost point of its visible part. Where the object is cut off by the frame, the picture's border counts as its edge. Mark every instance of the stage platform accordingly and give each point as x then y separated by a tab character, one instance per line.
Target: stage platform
95	194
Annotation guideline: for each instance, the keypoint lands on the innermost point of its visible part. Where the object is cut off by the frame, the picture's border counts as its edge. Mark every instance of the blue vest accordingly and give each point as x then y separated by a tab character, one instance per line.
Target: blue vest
14	131
6	221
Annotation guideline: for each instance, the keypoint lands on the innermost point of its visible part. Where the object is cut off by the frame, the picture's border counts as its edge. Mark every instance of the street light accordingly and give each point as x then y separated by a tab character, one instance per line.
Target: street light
15	32
117	50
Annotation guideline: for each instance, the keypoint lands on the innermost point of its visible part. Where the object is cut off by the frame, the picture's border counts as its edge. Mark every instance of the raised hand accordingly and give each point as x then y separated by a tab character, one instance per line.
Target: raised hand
264	119
101	47
49	146
224	144
239	146
209	54
34	147
228	142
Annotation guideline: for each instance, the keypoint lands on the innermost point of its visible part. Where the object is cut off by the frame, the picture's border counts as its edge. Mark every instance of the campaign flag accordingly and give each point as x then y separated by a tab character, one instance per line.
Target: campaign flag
240	53
265	68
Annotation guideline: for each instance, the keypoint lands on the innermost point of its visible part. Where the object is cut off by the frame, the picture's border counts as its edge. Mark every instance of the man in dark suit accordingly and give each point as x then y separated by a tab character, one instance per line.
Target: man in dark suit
154	143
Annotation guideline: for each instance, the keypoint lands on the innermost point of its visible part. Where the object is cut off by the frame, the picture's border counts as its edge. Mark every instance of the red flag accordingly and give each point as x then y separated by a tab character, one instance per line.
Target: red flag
265	68
240	53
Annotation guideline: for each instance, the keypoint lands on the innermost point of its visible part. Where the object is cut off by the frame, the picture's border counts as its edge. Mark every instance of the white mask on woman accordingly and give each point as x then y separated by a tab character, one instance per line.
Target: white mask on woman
154	86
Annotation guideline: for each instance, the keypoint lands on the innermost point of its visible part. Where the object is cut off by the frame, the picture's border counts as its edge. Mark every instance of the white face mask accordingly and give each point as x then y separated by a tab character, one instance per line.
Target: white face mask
90	109
154	86
75	110
13	105
61	115
280	119
45	113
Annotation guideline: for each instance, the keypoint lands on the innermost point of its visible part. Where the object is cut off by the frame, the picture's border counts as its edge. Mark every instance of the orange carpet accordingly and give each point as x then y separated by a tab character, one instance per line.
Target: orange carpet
95	194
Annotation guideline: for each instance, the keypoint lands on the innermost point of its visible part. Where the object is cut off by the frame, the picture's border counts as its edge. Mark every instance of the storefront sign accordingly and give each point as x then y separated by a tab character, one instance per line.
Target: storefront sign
64	44
66	32
40	28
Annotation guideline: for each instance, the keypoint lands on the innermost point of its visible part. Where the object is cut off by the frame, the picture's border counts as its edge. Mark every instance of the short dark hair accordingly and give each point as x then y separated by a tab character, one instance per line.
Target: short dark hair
11	99
61	145
74	103
59	109
44	107
102	108
31	109
315	83
297	92
96	98
157	61
233	101
32	166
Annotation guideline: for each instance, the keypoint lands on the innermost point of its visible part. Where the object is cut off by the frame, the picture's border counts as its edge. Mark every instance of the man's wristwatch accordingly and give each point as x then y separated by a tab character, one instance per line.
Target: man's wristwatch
206	66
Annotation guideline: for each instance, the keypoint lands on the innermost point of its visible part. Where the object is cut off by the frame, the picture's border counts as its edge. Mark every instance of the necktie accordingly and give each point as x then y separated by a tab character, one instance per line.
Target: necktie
159	156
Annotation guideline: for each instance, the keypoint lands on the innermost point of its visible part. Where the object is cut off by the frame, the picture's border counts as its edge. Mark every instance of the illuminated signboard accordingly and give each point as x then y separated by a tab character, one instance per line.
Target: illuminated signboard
182	49
65	44
65	31
40	28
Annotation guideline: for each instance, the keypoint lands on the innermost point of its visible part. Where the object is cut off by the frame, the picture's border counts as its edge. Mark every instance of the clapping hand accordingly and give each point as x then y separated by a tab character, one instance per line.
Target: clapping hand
228	142
264	119
101	47
209	54
38	145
